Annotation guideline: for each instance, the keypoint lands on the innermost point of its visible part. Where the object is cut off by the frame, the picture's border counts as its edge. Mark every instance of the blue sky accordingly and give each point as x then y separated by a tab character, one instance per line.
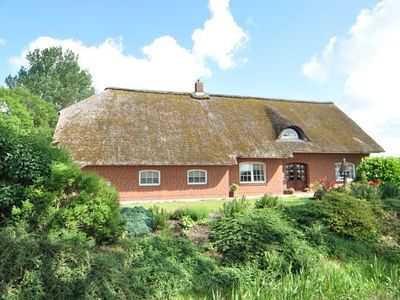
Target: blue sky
341	51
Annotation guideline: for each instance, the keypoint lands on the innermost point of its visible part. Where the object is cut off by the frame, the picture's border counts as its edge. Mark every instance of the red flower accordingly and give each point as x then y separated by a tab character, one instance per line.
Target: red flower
373	183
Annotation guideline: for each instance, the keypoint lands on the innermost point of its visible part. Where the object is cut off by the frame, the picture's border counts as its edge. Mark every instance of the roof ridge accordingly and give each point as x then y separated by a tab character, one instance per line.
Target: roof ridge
218	95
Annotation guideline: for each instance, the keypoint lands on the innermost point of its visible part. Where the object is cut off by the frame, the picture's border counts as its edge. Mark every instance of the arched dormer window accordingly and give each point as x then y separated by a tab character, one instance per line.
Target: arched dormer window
290	134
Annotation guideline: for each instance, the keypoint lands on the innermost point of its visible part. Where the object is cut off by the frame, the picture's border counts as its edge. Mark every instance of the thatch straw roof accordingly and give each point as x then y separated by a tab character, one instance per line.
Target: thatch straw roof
136	127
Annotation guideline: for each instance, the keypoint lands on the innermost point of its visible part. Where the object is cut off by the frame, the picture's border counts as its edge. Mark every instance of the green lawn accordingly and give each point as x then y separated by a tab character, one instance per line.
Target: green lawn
213	204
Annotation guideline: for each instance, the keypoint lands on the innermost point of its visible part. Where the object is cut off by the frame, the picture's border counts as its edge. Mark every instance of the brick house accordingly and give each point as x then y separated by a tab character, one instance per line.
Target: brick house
170	145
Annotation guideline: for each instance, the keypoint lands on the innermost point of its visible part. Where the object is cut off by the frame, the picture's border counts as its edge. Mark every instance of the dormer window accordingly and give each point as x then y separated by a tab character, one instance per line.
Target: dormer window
290	134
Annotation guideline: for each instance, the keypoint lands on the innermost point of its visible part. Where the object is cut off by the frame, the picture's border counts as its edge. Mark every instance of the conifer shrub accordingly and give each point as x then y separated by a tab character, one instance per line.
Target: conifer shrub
348	216
139	221
249	236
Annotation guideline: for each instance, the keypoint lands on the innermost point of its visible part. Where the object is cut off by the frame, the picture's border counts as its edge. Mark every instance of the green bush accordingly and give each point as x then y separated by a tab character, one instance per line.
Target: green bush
26	113
304	216
348	216
42	186
389	190
365	191
382	169
69	199
348	249
249	236
139	221
392	205
266	201
160	217
195	213
235	207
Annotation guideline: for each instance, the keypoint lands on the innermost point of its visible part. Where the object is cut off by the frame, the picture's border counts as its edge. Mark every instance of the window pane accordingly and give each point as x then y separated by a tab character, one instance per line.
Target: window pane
197	176
290	133
258	172
149	178
252	172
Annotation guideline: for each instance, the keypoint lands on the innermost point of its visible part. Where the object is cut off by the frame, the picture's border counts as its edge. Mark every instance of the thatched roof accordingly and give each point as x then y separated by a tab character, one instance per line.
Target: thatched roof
136	127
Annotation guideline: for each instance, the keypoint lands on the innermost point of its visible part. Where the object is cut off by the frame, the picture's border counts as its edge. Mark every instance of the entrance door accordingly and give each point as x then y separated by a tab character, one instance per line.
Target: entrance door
296	176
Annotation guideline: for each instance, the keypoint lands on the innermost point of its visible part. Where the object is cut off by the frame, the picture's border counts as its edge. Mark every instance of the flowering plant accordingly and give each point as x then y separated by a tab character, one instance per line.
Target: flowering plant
374	183
321	187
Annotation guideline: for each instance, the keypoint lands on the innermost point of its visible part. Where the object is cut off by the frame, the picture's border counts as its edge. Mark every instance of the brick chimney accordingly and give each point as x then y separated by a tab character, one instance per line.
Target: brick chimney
199	91
199	86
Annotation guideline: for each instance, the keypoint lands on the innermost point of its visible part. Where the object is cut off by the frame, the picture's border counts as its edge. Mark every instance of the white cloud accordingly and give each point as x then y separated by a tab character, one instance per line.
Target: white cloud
165	65
220	37
2	41
369	58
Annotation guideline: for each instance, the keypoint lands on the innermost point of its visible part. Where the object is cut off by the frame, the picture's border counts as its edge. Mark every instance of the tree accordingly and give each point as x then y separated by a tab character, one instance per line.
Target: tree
55	76
26	113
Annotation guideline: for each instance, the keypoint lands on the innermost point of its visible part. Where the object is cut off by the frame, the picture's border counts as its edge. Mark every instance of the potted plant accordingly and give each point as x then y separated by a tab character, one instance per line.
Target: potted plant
234	188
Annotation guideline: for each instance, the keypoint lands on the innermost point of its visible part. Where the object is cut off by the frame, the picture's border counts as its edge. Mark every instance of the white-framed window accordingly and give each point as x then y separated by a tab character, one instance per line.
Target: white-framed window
290	134
352	173
252	172
149	178
196	177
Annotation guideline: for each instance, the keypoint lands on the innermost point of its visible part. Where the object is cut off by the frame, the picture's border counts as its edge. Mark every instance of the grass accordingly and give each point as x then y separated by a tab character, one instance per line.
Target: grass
214	204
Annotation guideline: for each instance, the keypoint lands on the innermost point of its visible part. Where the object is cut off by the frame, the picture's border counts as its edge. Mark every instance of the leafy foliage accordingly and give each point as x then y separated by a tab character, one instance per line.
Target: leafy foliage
26	113
55	76
40	185
389	190
160	217
266	201
382	169
196	214
321	187
365	191
139	220
235	207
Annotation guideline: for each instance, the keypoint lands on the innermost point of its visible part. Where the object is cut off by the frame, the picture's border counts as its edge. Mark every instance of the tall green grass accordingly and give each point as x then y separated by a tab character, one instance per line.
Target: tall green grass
365	279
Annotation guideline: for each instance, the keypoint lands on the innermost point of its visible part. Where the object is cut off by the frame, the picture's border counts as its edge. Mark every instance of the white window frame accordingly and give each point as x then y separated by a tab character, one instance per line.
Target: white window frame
252	163
339	178
196	183
149	184
290	137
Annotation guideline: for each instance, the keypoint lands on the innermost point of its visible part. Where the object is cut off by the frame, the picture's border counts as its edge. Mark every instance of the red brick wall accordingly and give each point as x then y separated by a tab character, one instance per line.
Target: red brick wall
173	183
174	178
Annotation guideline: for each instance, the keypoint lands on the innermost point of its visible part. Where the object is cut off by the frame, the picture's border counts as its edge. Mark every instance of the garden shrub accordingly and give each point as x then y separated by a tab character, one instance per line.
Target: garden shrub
139	221
162	268
348	216
160	217
246	237
349	249
235	207
321	187
34	266
389	190
392	204
194	213
42	186
266	201
304	216
382	169
365	191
